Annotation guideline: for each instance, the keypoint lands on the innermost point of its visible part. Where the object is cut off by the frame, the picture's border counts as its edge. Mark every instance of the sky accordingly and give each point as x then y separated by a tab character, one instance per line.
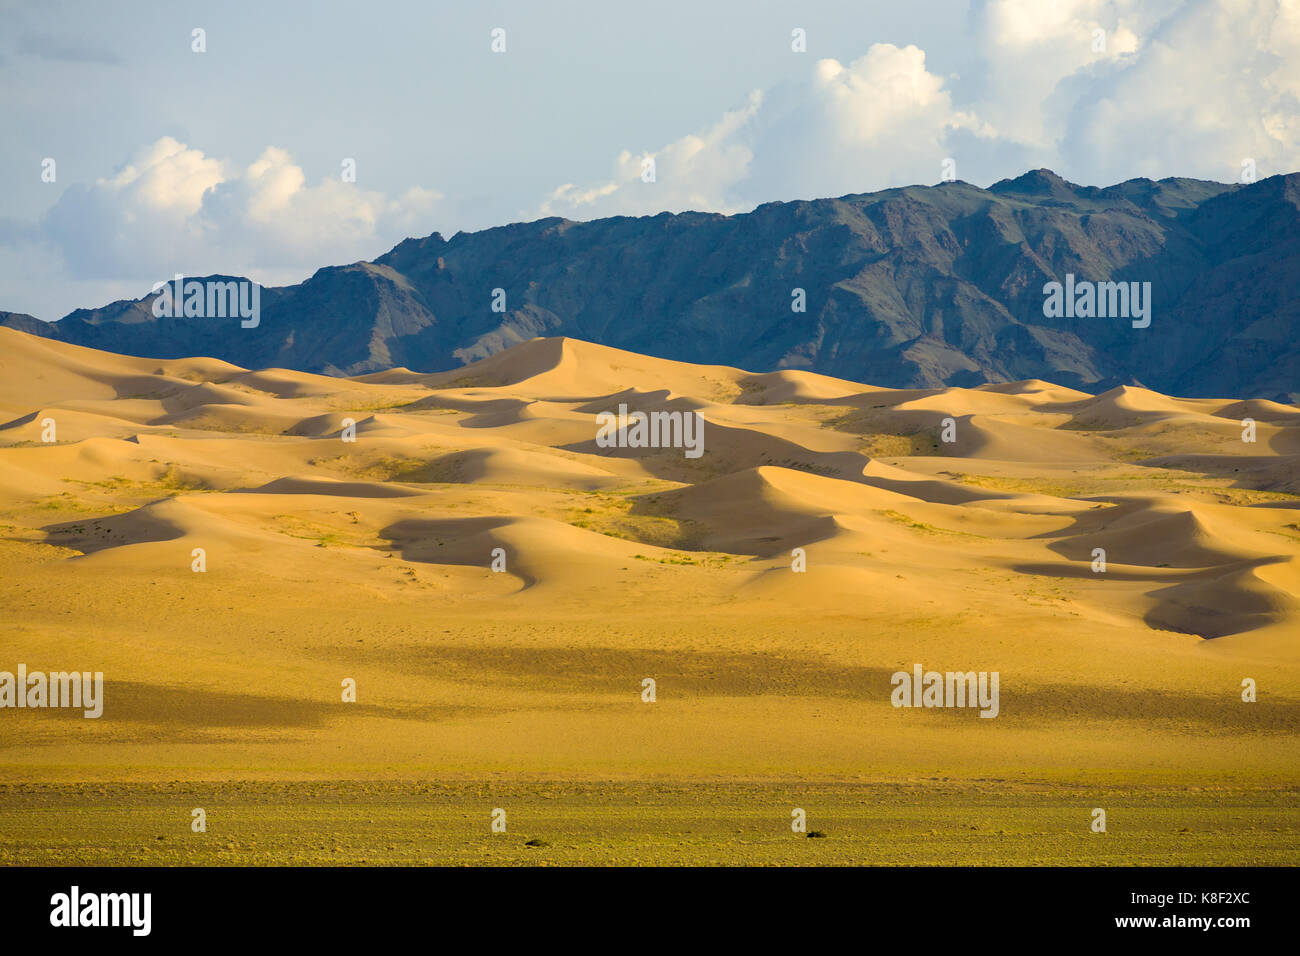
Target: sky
129	155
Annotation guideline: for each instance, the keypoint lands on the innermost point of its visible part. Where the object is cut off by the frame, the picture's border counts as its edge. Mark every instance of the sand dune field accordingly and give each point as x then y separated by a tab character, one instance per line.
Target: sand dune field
328	560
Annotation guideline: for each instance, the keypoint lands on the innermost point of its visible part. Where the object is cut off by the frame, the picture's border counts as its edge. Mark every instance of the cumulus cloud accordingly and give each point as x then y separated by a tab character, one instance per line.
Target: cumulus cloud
1099	90
172	208
694	172
848	128
1209	87
282	219
881	120
1029	49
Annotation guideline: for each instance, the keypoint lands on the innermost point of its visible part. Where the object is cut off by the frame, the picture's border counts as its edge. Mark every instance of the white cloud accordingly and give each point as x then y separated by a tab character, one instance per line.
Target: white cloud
1099	90
882	120
849	128
171	208
1212	85
1029	48
694	172
282	220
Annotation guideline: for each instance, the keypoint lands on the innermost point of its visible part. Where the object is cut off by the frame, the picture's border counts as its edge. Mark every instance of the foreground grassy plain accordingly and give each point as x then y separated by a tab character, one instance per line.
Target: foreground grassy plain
982	822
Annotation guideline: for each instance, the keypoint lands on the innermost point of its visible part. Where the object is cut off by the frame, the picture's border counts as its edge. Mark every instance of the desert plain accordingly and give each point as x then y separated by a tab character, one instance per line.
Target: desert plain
827	537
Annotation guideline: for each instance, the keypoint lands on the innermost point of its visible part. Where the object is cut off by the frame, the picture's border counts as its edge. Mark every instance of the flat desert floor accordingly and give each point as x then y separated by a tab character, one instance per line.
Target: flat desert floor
369	563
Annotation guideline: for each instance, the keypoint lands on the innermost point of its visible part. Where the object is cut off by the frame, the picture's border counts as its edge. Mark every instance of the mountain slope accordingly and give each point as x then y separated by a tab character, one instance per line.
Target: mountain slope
909	287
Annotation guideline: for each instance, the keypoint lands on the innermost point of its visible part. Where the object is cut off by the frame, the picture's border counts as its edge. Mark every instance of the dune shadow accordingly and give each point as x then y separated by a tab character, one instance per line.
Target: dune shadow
191	708
443	540
606	670
89	535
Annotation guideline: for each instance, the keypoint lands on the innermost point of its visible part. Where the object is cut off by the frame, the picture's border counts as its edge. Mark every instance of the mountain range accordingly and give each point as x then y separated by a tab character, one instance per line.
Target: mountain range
908	287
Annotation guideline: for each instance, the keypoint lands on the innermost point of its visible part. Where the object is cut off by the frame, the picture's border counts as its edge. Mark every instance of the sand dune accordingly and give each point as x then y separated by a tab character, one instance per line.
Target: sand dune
515	466
775	388
330	486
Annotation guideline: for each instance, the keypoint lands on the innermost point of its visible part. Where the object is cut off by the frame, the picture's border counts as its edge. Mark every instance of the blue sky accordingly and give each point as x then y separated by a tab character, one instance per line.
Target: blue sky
168	160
